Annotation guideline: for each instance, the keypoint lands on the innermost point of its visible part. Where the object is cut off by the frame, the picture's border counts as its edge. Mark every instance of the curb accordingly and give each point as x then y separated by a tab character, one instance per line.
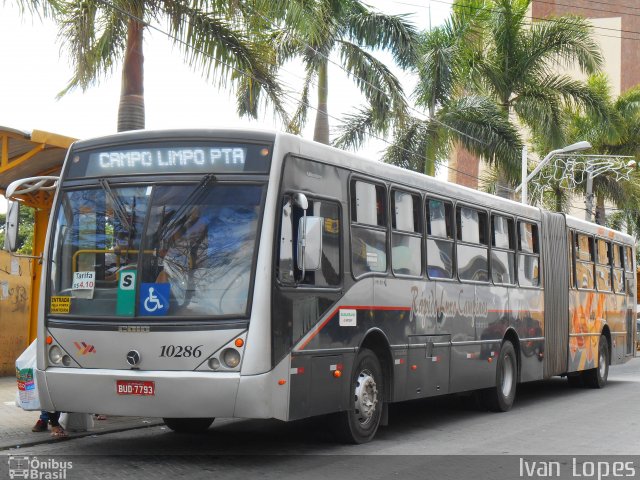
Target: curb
73	436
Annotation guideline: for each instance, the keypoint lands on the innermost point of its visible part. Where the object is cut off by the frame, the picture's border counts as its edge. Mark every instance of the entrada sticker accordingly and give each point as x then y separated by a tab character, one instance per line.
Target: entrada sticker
60	305
154	299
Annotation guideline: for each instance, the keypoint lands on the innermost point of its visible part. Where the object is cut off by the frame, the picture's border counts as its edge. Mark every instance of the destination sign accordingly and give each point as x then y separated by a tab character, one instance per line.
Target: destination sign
214	158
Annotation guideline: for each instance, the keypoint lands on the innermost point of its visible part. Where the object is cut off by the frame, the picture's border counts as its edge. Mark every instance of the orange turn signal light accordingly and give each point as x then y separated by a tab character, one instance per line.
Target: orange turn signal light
414	367
239	342
282	381
337	373
490	359
49	340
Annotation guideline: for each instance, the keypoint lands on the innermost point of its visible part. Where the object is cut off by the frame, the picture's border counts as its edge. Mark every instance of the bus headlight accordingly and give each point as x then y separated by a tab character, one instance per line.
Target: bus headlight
231	357
214	363
66	360
55	354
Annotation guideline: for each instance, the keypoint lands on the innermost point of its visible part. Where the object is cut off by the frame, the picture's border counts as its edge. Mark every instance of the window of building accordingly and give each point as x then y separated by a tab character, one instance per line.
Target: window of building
472	249
503	256
406	235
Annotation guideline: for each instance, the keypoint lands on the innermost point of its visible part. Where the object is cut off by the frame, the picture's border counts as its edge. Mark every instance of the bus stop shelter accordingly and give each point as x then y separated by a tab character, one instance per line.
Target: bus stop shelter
23	155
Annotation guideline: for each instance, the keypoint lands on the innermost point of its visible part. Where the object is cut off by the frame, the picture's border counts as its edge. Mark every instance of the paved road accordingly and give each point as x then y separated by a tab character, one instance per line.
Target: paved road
549	418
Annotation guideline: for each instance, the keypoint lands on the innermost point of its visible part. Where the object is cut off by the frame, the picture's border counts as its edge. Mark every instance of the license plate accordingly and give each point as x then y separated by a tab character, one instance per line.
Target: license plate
133	387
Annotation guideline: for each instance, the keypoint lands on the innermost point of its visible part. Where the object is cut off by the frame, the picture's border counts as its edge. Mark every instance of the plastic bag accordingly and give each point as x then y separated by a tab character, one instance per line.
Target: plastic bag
76	422
27	397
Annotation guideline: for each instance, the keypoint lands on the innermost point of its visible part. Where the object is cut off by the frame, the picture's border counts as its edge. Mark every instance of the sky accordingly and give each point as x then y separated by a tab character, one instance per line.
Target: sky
35	68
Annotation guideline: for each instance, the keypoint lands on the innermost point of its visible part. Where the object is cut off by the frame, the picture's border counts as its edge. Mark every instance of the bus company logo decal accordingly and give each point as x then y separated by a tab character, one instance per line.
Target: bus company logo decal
84	348
428	306
576	468
38	468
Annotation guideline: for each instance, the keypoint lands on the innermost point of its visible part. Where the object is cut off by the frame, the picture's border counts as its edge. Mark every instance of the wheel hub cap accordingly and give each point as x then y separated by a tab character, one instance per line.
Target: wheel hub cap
366	397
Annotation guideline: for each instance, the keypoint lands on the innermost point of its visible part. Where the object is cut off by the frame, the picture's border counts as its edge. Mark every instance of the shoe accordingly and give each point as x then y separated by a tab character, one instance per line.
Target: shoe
58	432
40	426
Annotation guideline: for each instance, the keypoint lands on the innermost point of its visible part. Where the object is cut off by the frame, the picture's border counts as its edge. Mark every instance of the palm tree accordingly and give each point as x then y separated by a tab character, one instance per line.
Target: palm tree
314	30
452	118
615	133
515	63
213	35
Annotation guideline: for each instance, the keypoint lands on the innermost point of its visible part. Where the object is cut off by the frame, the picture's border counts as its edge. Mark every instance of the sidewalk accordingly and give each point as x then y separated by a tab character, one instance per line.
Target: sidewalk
15	423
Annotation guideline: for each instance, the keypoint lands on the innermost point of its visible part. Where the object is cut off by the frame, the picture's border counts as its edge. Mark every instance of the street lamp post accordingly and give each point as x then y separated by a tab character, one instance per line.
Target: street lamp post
574	147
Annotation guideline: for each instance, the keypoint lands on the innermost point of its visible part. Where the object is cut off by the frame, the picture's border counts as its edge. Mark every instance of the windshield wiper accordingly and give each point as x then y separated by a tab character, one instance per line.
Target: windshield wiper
118	207
196	194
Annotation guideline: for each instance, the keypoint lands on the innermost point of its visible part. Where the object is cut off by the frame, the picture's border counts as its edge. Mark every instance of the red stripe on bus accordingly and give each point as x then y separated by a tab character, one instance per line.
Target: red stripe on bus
352	307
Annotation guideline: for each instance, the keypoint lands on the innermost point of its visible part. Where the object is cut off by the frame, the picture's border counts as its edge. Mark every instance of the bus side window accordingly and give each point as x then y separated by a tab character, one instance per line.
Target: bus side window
406	237
329	272
473	262
584	261
618	270
503	256
572	277
368	228
439	238
528	255
603	266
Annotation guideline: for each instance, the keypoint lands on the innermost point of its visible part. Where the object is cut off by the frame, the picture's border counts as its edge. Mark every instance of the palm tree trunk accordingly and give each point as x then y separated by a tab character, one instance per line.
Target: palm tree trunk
321	132
131	109
430	160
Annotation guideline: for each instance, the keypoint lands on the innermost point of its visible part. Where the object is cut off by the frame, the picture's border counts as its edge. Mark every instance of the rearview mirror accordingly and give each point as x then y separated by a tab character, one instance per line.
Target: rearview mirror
309	243
11	227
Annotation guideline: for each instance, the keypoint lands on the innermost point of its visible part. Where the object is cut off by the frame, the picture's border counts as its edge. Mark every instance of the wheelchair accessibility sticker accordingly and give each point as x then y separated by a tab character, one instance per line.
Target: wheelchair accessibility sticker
154	299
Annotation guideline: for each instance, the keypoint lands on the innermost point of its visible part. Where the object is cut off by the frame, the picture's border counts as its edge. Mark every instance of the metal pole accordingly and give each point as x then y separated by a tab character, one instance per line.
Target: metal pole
589	196
525	190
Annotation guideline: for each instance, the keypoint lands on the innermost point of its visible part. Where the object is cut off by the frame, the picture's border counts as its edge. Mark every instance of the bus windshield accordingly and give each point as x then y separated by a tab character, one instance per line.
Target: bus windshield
167	250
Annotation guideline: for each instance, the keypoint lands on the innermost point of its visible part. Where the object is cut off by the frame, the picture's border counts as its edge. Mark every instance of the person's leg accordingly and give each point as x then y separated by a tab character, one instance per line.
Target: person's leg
56	429
41	424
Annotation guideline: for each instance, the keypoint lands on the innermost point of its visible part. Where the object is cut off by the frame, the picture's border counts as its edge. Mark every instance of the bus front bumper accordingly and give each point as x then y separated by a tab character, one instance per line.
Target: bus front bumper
176	394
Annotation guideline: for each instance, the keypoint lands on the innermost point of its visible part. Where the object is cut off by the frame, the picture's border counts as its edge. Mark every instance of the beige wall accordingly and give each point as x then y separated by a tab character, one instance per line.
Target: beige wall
15	309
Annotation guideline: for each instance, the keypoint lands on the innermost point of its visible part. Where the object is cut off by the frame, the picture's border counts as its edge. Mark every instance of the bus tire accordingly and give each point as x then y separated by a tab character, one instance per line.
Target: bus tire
188	425
500	398
360	422
597	377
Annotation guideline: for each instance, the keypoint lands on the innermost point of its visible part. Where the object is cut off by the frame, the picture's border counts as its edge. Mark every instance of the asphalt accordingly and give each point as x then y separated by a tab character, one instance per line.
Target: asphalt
16	424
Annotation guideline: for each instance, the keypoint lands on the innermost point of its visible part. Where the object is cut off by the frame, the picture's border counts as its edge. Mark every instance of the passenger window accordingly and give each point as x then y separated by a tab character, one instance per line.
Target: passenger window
406	238
528	255
503	257
584	262
572	282
618	271
439	239
473	263
603	267
628	259
329	272
368	228
367	204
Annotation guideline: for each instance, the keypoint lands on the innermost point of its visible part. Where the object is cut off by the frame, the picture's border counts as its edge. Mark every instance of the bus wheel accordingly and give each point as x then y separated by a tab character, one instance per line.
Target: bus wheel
360	423
188	425
597	377
501	397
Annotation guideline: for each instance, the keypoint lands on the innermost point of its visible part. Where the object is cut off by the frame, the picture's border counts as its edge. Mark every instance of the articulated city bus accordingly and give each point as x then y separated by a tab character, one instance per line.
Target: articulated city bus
197	274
